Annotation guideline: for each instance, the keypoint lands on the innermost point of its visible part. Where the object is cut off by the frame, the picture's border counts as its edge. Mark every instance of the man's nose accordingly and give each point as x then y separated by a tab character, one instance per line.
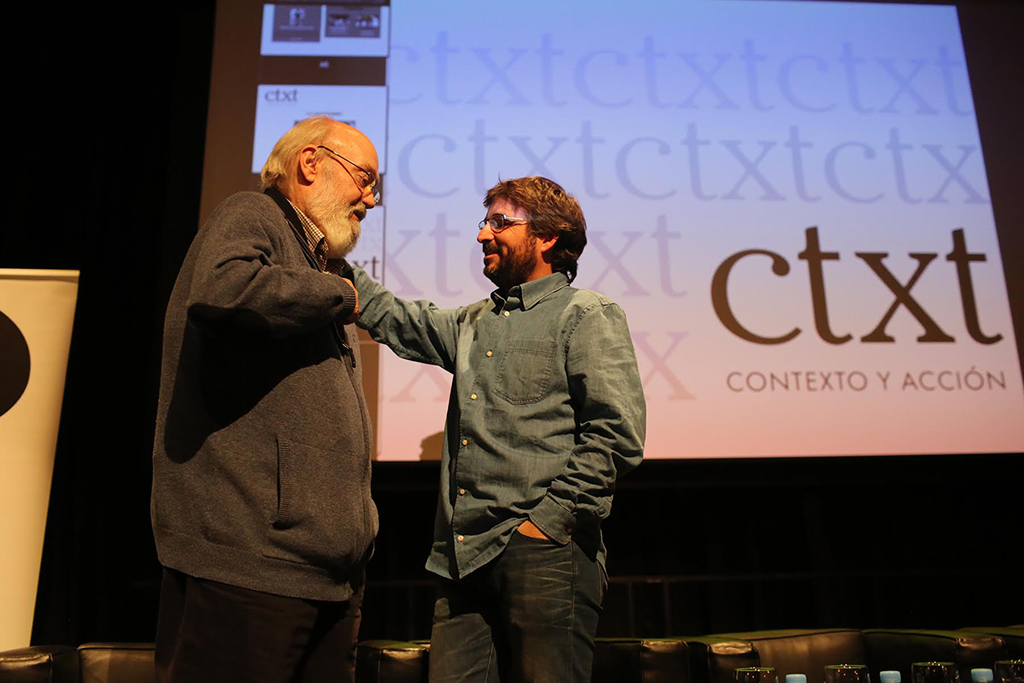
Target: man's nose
368	199
485	235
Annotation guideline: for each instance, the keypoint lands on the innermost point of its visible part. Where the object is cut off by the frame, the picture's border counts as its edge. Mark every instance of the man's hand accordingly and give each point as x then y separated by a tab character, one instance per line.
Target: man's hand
530	529
355	314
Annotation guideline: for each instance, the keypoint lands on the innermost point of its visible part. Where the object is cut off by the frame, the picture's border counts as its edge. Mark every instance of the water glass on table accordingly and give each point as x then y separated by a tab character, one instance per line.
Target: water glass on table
756	674
934	672
847	673
1009	671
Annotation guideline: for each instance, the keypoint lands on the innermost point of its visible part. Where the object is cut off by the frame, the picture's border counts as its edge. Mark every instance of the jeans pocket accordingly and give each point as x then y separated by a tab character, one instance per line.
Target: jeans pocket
537	541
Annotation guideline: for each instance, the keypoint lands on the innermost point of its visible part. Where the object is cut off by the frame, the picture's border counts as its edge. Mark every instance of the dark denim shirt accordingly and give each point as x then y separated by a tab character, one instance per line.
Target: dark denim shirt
546	412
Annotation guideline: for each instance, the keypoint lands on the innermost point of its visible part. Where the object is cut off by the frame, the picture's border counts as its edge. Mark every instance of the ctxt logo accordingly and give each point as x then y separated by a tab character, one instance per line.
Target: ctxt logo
816	259
280	95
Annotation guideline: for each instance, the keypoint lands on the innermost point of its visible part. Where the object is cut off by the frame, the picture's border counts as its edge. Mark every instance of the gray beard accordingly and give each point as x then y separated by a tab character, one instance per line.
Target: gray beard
341	232
331	214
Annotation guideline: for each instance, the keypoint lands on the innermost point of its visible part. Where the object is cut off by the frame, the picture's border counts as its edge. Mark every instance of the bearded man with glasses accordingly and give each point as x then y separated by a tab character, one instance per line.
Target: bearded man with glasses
261	502
546	412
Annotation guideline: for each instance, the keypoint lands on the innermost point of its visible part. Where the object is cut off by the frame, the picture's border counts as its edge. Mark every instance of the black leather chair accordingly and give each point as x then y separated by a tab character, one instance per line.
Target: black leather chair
805	651
714	658
1013	638
377	662
116	663
897	649
41	664
641	660
392	661
705	659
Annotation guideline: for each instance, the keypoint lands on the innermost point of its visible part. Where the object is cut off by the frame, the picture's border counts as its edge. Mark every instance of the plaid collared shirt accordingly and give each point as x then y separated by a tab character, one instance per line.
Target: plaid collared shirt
317	244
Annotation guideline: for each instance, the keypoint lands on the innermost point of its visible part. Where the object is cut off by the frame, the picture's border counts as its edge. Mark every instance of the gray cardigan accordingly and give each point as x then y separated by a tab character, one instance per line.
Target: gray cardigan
261	461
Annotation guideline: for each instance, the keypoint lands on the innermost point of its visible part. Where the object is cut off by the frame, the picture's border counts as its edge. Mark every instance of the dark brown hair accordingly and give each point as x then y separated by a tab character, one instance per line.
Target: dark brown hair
552	212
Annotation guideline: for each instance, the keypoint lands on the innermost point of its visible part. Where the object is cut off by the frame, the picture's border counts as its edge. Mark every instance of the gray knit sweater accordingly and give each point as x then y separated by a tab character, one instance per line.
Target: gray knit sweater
261	462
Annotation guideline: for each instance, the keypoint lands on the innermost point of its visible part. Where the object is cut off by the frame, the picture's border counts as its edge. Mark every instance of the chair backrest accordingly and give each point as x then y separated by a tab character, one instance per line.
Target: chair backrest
713	659
897	649
805	651
1013	638
392	661
40	664
117	663
641	660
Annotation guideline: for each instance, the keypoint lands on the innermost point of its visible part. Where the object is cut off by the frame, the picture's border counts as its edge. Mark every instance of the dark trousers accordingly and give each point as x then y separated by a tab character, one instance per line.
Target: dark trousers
529	616
210	631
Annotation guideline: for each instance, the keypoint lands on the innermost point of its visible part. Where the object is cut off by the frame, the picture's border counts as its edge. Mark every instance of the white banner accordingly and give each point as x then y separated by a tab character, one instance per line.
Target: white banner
37	308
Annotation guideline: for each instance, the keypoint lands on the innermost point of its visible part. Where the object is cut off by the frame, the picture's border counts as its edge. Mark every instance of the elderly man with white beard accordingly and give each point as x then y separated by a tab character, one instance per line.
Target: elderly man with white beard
261	504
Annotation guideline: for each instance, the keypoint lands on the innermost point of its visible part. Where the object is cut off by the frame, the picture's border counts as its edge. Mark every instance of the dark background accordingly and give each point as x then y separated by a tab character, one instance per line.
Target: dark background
105	166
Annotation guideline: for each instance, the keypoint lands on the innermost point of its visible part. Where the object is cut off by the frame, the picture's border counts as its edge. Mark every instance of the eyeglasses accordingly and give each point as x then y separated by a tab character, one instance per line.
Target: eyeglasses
499	222
366	182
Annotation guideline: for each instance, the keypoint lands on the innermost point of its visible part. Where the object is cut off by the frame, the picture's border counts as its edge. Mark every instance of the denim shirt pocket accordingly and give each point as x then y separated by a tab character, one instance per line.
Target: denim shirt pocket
525	371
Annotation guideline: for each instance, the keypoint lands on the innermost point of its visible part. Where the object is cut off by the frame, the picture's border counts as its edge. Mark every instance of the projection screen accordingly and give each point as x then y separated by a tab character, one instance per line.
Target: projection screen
788	199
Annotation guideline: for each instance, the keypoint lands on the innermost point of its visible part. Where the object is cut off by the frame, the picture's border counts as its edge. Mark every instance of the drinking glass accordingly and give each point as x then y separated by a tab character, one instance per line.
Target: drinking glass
847	673
934	672
1009	671
756	674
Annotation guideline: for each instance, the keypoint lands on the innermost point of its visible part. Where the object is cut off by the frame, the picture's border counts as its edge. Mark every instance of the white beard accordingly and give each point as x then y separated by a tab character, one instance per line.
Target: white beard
333	215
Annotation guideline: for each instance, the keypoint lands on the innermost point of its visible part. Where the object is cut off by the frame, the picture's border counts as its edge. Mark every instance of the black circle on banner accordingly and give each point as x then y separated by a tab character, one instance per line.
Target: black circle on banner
15	364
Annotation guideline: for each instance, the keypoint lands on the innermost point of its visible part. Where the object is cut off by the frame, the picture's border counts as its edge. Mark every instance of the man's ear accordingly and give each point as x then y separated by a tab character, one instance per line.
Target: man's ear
546	244
307	164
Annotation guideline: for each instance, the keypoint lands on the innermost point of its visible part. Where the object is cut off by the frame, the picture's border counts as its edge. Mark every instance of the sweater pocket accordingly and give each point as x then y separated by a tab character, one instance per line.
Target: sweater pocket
285	483
322	500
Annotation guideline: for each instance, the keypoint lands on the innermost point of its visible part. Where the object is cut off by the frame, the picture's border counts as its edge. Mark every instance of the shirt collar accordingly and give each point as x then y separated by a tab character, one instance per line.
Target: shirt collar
533	291
314	237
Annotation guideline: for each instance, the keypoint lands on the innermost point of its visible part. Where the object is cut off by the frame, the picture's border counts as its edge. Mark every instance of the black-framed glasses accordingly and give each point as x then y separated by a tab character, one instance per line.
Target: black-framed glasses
500	221
366	182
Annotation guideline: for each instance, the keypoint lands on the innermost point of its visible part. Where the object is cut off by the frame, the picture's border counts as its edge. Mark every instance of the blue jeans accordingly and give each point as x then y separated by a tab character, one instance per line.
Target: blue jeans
530	615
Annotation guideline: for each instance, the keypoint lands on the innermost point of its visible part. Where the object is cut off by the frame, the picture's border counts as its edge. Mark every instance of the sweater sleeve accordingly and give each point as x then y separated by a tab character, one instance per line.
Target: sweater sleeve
245	279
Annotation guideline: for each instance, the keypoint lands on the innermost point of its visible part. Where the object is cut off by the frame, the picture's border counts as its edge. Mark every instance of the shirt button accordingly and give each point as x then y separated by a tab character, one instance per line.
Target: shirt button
490	353
465	442
462	492
472	397
505	313
461	538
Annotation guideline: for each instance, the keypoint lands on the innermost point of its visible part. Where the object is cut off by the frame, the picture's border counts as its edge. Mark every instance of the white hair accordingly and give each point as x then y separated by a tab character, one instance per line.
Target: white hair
281	164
